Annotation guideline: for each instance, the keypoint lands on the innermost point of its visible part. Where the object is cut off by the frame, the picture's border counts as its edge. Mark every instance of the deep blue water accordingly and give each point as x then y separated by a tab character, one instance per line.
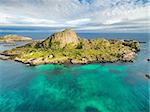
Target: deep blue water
116	87
42	35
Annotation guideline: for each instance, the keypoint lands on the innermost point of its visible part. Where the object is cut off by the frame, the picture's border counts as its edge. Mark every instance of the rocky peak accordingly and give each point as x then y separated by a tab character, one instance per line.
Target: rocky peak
68	30
61	39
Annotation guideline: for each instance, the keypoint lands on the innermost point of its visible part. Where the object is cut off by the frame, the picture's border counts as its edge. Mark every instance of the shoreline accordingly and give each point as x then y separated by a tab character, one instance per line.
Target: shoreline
65	64
67	47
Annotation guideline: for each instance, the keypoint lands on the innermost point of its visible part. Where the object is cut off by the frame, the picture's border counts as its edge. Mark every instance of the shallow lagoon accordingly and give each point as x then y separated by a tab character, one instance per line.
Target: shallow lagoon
118	87
77	88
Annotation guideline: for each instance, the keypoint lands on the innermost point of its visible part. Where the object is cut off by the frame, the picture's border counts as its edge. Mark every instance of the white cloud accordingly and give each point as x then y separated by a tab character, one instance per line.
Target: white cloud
95	15
78	21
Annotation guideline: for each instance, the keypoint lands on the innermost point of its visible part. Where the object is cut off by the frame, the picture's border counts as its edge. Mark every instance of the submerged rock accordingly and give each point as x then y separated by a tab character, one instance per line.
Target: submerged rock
91	109
147	76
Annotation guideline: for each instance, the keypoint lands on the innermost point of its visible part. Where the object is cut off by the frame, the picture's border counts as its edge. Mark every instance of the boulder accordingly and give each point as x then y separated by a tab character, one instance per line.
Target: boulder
51	56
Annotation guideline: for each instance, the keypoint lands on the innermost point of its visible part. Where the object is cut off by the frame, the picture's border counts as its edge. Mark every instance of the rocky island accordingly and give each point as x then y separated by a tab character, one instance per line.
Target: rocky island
13	38
67	47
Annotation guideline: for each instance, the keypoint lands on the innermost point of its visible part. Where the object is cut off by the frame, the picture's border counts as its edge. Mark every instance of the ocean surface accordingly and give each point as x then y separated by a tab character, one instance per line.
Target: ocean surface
109	87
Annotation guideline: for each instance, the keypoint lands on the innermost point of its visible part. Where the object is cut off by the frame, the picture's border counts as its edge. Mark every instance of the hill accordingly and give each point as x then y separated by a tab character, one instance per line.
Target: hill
66	47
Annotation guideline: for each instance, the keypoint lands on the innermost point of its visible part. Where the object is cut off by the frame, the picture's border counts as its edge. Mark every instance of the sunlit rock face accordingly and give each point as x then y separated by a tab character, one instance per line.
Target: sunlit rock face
61	39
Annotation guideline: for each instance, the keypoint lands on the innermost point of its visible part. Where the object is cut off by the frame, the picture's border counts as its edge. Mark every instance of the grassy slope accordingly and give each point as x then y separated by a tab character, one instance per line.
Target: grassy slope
98	49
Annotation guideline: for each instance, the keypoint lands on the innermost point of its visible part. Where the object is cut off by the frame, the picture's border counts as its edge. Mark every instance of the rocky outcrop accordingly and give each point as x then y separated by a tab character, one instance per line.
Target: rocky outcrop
13	38
129	56
60	39
134	45
65	47
2	57
38	61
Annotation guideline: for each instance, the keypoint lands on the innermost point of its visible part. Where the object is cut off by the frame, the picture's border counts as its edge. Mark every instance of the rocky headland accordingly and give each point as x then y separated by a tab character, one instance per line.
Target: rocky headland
67	47
13	38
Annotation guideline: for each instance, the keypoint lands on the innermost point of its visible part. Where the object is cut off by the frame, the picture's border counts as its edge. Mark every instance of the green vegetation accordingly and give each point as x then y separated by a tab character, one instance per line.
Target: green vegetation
84	51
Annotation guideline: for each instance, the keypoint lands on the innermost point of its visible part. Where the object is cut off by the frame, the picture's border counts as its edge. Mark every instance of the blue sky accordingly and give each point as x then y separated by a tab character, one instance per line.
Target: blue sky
84	15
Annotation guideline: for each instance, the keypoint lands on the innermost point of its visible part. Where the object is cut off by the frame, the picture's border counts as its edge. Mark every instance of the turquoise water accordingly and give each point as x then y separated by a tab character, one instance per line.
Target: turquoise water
86	88
118	87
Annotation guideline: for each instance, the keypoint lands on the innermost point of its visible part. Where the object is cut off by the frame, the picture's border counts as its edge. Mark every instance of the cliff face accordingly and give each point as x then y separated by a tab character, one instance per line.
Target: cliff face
61	39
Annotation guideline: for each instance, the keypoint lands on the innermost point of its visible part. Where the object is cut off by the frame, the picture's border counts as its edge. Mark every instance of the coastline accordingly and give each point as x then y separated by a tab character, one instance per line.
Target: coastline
66	47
